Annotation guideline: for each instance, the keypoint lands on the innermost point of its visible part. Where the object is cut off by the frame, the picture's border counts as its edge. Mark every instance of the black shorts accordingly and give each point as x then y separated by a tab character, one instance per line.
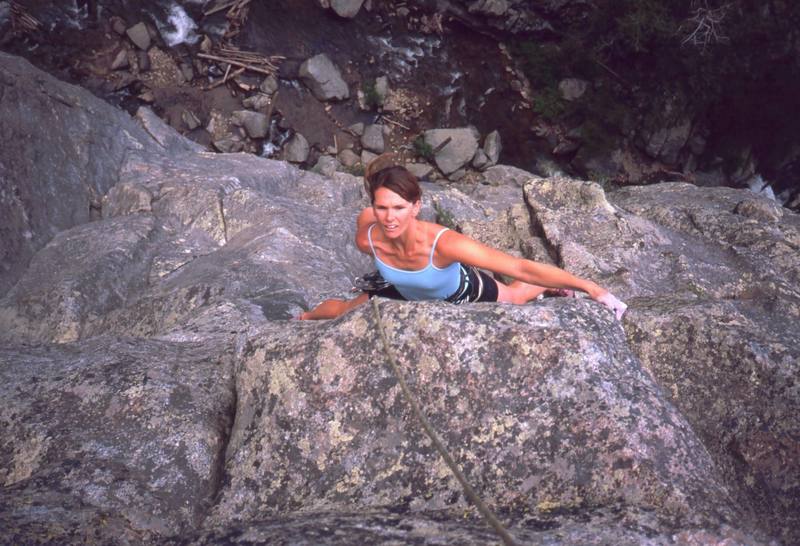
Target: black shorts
475	286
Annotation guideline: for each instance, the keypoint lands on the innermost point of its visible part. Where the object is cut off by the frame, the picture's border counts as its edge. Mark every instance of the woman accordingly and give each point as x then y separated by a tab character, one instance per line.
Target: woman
425	261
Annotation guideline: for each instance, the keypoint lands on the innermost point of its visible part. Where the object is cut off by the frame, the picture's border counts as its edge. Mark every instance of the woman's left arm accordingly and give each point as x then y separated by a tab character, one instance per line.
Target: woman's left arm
457	247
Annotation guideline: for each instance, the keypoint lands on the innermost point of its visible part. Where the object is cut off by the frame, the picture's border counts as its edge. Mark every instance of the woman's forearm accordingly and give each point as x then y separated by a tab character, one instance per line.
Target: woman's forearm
555	277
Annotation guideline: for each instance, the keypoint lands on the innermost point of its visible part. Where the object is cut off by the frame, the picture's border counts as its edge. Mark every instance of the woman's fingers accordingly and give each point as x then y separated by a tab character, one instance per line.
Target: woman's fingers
612	302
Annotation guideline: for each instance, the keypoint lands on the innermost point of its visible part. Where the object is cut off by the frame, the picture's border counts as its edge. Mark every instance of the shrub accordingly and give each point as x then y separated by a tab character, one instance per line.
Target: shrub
423	149
371	97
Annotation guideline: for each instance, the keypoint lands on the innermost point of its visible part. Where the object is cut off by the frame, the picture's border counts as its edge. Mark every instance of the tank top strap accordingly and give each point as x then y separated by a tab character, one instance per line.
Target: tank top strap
435	241
369	238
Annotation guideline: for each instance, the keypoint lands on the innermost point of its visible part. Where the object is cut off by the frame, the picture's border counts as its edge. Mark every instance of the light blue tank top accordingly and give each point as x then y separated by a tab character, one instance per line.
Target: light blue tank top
430	283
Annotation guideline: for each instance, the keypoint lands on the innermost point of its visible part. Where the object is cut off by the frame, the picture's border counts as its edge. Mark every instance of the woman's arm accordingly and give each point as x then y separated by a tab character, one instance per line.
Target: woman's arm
365	219
457	247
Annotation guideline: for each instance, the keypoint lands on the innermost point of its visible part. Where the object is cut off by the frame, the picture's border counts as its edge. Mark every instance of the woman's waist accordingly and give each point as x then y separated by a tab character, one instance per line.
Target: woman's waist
430	282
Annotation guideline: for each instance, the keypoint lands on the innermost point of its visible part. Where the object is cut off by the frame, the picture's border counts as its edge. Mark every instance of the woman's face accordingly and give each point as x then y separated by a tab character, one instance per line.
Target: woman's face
394	213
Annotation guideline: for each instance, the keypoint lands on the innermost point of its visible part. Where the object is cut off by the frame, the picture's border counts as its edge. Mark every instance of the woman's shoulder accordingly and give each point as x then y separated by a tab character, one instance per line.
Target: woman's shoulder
431	228
363	234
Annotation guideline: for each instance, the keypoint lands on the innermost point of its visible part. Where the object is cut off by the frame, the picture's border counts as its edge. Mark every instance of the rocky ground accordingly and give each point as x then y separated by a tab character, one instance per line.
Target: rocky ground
452	65
186	91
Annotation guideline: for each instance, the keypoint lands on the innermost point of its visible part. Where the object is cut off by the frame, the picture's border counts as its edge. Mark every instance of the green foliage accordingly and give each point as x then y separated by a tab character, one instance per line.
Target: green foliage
423	149
598	137
542	64
549	104
741	79
372	98
645	24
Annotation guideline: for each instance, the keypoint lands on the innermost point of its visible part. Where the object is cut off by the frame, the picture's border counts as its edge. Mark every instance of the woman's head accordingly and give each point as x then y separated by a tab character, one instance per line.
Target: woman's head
382	172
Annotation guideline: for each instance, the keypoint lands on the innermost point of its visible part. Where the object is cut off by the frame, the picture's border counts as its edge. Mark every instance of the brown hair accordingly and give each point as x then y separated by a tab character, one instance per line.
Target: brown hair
382	172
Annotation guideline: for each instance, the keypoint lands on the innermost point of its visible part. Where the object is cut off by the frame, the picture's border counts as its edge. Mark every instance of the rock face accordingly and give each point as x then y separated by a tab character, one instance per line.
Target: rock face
133	435
53	179
324	79
347	433
155	391
707	283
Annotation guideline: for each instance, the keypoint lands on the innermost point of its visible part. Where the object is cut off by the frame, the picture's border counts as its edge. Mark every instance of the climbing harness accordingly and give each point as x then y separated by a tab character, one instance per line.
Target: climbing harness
487	514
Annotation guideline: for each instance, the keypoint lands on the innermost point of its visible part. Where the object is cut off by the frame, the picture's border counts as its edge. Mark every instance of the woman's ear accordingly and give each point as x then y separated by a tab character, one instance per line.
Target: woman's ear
416	207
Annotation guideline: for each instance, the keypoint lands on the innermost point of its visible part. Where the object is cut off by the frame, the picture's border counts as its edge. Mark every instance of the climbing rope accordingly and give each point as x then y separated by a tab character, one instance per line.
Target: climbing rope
412	401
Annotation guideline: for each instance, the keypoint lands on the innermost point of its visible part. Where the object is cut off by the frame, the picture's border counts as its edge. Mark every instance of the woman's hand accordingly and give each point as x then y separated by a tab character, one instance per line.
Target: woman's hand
612	302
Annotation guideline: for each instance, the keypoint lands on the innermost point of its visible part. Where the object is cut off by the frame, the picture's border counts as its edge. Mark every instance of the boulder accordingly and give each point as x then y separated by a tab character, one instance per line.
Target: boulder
382	89
372	139
572	89
296	150
323	78
666	130
346	8
494	8
324	425
143	61
492	146
348	158
367	157
255	124
164	135
269	85
457	152
140	36
118	25
357	128
190	120
258	102
481	160
228	145
420	170
120	60
187	72
326	165
666	143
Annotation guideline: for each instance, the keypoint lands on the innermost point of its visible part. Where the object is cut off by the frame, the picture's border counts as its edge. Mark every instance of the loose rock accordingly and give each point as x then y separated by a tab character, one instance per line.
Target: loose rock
346	8
572	89
324	79
349	158
255	123
140	36
269	85
120	60
457	153
372	139
493	146
297	149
